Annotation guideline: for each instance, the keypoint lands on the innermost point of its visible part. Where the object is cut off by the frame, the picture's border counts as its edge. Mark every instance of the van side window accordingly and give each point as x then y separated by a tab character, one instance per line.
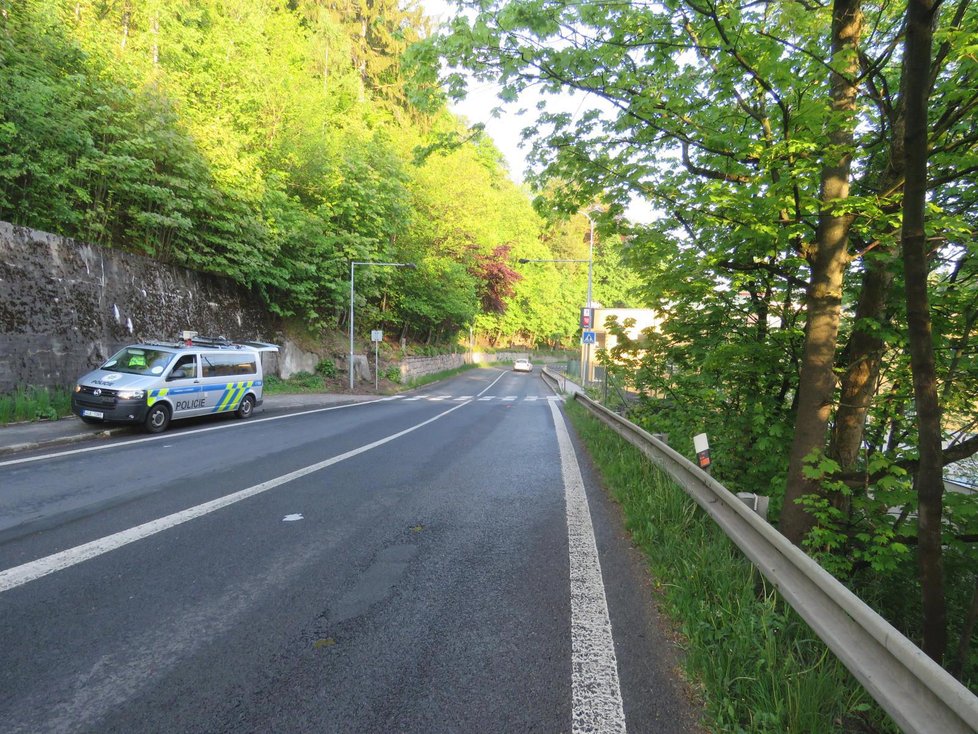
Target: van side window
228	365
186	367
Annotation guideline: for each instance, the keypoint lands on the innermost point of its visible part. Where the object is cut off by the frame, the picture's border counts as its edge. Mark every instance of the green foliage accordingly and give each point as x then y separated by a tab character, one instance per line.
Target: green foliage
326	368
392	373
34	403
270	143
299	382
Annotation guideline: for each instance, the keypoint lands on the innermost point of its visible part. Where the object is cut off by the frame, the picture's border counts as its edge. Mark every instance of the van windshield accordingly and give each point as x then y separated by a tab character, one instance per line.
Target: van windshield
138	361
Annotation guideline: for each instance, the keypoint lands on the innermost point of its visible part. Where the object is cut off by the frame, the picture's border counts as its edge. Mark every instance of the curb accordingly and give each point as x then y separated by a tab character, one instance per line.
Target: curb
59	441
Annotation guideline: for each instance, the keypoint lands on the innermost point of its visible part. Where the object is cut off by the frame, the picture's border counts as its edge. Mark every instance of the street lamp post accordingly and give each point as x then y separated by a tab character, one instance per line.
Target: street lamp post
590	262
353	264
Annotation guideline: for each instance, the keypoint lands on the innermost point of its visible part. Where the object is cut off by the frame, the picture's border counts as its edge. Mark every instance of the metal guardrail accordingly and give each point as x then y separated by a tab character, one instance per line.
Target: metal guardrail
920	696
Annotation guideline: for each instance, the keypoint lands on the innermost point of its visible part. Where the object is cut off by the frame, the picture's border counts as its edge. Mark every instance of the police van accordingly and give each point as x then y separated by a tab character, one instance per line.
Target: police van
156	382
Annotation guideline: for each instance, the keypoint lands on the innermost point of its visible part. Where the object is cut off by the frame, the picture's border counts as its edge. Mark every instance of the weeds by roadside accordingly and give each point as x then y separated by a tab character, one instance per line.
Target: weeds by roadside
761	668
300	382
34	403
428	379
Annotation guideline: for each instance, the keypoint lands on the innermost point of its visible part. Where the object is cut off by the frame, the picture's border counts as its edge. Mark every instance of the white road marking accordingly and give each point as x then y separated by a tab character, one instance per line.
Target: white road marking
492	384
293	518
596	704
189	432
33	570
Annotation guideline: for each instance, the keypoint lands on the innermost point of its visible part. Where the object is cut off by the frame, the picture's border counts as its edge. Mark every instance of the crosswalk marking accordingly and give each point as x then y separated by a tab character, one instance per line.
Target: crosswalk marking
483	399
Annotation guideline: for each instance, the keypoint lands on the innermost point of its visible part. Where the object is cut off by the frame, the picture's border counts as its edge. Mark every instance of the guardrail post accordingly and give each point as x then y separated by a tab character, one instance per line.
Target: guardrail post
757	502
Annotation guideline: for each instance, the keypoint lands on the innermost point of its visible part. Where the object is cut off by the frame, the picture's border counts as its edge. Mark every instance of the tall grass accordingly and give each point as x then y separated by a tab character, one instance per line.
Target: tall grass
34	403
760	667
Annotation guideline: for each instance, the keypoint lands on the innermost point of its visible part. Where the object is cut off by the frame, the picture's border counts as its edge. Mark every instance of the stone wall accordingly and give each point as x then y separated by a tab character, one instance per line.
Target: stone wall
413	367
65	306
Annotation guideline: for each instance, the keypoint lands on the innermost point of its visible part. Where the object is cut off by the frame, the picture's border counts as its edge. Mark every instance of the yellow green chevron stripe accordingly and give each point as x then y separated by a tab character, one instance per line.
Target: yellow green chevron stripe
233	393
155	395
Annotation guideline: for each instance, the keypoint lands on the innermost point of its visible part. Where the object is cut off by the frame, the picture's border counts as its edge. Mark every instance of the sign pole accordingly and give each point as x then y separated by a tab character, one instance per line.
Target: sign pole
376	336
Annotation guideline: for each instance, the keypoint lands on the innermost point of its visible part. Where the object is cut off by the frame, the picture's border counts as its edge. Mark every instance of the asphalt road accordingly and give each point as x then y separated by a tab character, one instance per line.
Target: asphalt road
443	561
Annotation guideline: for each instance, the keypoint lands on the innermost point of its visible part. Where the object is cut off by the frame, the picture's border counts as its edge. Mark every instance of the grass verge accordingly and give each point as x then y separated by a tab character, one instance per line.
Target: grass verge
300	382
427	379
760	668
34	403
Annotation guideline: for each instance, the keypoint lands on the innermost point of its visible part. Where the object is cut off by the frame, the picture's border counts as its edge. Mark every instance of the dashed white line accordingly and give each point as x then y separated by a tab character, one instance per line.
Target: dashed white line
595	689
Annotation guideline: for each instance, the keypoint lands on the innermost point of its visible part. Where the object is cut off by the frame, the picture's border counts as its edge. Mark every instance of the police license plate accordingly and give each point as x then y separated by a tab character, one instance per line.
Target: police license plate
93	414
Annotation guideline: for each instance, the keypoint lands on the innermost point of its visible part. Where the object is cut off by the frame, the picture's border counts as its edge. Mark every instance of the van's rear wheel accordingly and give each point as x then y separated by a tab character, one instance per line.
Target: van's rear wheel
247	407
158	418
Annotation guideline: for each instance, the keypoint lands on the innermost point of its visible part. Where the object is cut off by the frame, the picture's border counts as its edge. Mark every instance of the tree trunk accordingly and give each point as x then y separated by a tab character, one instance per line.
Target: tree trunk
929	480
828	261
865	351
865	347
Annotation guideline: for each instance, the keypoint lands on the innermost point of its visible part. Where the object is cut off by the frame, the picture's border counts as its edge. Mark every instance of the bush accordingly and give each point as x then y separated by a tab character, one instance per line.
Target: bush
326	368
392	373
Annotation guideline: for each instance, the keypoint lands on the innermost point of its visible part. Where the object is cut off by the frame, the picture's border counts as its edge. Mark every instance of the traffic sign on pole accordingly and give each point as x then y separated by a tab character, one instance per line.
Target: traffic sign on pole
588	337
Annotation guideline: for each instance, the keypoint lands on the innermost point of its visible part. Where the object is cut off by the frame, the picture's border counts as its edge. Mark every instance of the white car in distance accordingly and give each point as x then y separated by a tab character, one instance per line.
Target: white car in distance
522	365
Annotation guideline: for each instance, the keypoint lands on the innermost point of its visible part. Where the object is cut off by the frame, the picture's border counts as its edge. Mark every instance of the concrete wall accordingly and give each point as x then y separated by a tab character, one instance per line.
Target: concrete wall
65	306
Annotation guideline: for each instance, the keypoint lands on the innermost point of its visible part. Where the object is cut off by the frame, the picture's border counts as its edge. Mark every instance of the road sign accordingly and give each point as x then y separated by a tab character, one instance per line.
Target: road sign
588	337
376	335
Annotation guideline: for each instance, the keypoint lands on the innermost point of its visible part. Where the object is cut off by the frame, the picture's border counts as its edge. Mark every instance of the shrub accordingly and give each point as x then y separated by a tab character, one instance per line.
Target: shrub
326	368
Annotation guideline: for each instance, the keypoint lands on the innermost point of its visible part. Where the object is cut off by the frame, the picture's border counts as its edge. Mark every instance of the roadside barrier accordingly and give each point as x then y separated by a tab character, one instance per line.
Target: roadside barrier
920	696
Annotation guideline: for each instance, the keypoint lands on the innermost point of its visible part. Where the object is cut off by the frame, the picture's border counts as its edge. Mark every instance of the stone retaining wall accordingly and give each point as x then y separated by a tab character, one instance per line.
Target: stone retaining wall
66	306
414	367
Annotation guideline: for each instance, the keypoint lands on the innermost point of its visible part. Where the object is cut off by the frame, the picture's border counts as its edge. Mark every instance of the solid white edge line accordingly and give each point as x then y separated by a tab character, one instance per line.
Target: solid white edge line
33	570
597	705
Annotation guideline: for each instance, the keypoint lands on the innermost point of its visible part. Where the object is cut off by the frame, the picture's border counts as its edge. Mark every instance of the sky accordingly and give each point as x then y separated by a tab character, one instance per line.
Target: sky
481	99
505	130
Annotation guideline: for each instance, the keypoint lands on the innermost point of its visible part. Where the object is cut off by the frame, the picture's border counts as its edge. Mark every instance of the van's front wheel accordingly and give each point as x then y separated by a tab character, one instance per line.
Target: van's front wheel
247	407
157	419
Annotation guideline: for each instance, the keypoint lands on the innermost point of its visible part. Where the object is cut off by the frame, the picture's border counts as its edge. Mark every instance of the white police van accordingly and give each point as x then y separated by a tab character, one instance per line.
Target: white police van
156	382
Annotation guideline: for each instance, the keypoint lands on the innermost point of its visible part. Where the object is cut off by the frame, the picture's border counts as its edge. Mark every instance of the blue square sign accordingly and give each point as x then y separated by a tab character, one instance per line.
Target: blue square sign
588	337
